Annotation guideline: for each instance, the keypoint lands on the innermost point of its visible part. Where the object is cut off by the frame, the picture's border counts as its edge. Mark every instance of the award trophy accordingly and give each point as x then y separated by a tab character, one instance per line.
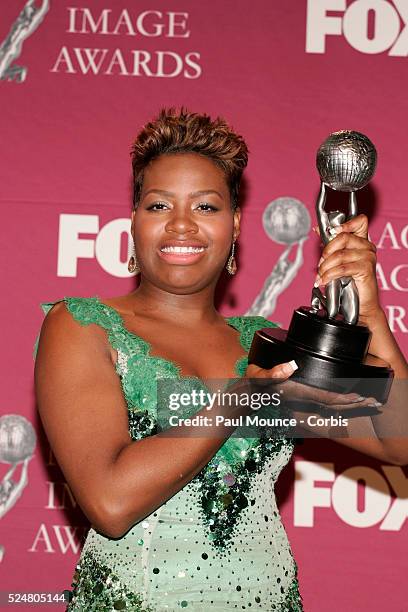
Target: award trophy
328	345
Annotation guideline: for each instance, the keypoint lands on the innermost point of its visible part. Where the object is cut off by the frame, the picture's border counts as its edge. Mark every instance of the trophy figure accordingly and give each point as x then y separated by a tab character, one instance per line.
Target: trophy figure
325	339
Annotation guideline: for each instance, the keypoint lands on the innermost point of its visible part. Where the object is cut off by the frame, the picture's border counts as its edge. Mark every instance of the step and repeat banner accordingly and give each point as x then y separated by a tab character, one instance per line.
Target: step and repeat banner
78	79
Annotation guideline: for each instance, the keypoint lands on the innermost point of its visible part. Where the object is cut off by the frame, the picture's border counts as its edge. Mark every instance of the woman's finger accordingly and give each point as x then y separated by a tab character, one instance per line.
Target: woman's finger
281	371
346	256
344	404
358	225
329	398
347	241
358	261
357	269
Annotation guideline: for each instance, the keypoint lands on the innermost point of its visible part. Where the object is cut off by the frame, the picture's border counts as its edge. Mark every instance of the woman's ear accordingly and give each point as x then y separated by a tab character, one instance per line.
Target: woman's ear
237	222
132	219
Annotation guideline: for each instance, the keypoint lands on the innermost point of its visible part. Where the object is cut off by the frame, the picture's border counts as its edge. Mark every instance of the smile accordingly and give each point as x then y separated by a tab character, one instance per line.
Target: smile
181	254
182	249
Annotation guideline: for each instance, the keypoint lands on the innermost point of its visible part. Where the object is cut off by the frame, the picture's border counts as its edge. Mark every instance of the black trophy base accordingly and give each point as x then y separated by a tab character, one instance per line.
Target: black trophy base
330	354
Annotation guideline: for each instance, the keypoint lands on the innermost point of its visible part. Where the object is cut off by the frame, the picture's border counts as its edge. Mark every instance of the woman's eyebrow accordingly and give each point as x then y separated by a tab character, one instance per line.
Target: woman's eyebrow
168	194
193	194
196	194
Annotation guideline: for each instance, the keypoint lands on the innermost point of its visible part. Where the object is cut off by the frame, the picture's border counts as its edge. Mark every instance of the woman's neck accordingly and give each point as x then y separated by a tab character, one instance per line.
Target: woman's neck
188	308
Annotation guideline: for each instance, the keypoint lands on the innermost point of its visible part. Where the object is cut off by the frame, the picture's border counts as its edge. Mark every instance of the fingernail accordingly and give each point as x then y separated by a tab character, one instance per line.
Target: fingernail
318	281
335	230
291	366
314	228
321	260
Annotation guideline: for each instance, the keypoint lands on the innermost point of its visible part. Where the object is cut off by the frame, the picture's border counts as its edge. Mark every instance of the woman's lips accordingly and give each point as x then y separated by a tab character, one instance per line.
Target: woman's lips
181	255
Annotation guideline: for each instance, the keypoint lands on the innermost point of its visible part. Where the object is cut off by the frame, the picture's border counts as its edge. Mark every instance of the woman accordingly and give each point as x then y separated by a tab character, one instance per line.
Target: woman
179	522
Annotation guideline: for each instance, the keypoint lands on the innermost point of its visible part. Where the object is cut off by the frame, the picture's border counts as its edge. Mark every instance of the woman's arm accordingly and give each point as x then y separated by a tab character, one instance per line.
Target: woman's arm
376	435
384	345
352	254
116	481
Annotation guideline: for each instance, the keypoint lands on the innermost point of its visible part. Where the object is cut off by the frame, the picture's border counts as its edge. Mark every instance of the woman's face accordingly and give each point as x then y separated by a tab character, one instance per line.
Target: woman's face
184	225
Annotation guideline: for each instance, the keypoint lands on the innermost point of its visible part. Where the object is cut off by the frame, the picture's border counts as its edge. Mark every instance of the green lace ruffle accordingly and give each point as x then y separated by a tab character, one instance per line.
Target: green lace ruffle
144	370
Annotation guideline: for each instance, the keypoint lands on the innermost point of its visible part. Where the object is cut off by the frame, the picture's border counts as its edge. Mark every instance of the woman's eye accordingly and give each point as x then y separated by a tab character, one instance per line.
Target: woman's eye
157	206
204	206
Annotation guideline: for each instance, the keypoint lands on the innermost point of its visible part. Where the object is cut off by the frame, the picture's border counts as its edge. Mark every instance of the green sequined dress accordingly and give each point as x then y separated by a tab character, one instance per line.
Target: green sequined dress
219	543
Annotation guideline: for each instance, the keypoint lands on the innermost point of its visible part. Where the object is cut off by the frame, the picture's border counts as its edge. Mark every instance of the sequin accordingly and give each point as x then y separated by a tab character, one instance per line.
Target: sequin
212	536
229	480
226	499
93	592
121	365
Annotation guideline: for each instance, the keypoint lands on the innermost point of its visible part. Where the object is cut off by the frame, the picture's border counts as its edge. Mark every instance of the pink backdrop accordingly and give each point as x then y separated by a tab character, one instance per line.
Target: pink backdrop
285	75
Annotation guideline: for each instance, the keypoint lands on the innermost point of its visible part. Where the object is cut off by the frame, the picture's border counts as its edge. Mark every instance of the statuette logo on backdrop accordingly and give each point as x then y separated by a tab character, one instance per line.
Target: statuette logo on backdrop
369	26
285	221
10	49
17	444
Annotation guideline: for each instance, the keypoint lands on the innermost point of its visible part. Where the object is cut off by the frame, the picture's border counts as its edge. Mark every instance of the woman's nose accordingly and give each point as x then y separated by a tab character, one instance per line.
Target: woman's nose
182	223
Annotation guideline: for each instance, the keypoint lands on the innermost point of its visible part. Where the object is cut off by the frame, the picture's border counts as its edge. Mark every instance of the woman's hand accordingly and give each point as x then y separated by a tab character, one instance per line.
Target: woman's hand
351	253
260	379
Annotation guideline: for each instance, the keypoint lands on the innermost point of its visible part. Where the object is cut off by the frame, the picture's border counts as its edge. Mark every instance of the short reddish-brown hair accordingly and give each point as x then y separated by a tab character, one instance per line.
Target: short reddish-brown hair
185	132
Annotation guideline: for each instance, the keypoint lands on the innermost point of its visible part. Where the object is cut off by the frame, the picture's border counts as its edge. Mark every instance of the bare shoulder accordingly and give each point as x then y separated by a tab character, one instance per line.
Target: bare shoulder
60	331
57	317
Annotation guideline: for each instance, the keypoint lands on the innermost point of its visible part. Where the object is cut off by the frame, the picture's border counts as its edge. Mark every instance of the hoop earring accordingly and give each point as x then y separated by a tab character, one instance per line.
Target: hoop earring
133	265
232	264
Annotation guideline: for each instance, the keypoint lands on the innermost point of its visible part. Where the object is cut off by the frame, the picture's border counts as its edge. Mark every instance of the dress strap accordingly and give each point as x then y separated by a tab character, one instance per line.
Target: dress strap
248	325
87	310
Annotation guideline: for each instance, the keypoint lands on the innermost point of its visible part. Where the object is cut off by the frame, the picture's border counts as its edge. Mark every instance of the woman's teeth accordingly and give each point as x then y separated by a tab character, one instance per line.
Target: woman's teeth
179	249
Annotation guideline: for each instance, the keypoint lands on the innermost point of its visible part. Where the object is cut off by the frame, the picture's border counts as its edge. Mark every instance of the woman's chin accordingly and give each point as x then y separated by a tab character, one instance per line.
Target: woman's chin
185	281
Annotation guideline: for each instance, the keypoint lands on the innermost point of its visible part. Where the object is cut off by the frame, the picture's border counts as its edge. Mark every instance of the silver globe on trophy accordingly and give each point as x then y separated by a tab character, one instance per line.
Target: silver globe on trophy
325	339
